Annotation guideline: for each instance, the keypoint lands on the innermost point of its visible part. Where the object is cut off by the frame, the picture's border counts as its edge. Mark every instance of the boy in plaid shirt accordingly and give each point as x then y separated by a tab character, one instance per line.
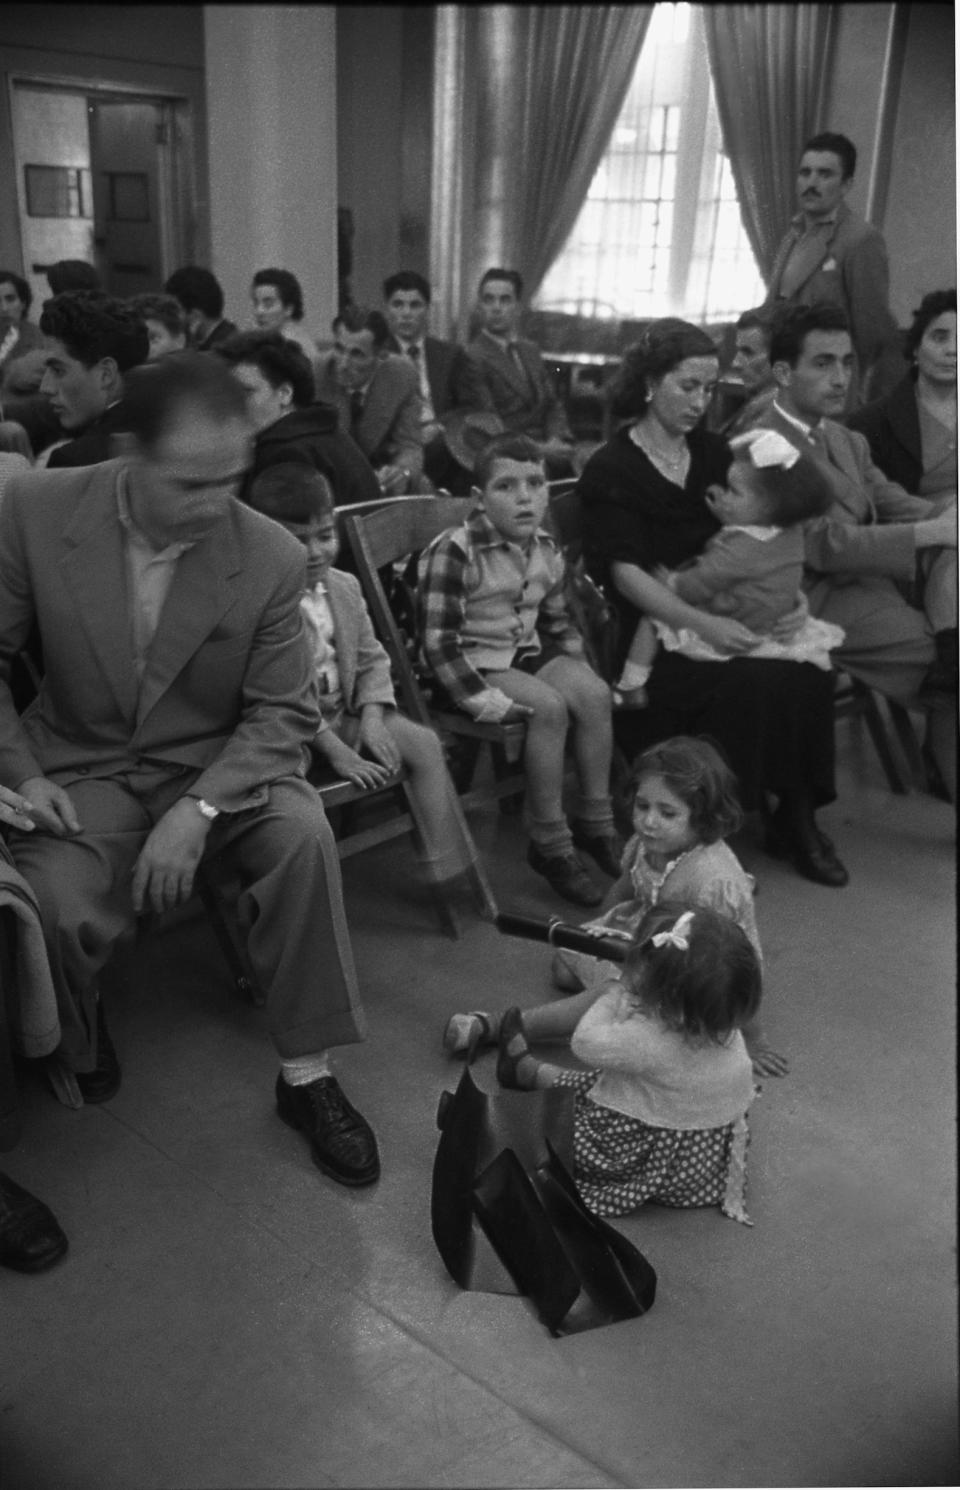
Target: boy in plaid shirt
497	634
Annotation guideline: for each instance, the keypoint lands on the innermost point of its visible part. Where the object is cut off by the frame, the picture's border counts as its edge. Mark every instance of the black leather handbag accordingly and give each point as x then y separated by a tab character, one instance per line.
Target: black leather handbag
507	1216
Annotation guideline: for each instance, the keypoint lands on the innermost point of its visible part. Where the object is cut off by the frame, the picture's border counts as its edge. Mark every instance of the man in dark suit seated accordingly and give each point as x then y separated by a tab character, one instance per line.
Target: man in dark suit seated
199	292
92	340
450	382
377	396
514	375
290	426
751	363
178	700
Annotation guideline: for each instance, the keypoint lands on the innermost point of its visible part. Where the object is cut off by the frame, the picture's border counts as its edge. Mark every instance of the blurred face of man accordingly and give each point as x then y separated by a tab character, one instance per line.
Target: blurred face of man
407	314
821	185
499	307
817	387
752	359
354	357
77	394
183	485
265	404
162	340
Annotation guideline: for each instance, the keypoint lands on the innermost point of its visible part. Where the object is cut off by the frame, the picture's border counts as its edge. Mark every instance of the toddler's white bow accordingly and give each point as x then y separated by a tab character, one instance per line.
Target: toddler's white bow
678	935
767	447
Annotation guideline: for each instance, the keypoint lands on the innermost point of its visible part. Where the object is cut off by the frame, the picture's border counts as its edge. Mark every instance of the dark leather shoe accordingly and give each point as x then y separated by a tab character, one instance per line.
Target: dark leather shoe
815	859
103	1082
30	1239
605	849
341	1141
567	875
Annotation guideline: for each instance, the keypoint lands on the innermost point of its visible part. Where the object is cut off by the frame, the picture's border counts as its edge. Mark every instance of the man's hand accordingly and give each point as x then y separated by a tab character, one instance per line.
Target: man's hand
347	763
15	810
725	634
374	737
50	806
788	626
938	532
164	871
393	480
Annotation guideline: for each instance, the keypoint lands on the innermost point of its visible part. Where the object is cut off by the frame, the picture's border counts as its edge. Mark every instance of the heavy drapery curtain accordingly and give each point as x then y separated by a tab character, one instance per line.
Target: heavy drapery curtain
526	97
769	66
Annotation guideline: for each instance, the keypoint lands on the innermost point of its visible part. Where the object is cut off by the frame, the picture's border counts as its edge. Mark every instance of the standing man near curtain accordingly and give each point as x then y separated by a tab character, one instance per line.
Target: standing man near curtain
832	256
514	375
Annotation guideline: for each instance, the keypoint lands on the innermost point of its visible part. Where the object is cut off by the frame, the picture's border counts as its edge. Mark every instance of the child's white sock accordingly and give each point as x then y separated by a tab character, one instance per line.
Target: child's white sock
633	676
306	1068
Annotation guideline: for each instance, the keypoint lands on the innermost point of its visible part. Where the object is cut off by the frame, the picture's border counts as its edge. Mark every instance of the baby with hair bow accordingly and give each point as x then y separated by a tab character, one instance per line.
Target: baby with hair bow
751	570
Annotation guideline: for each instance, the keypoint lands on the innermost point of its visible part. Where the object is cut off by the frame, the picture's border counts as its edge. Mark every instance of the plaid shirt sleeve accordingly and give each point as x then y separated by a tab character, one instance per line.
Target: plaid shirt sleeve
441	596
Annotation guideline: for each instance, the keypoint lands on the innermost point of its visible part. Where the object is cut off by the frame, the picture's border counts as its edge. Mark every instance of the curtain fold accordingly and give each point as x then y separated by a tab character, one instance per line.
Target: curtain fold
768	64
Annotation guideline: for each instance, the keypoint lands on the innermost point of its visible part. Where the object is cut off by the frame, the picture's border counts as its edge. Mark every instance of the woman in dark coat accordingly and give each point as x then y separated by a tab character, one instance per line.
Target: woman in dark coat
912	432
642	498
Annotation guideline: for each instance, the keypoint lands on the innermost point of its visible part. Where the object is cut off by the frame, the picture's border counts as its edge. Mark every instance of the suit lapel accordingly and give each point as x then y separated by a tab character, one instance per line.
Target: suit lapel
201	592
375	419
94	574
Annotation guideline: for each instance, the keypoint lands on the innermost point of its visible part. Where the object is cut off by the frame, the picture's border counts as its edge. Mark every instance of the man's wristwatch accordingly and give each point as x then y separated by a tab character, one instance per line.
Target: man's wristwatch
206	809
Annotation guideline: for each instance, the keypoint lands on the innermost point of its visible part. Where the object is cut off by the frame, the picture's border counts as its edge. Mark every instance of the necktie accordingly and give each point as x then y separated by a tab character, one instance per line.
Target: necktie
413	352
818	442
356	408
521	367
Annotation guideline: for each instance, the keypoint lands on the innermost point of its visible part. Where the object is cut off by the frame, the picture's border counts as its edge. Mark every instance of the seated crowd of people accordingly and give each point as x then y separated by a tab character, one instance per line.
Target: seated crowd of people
169	487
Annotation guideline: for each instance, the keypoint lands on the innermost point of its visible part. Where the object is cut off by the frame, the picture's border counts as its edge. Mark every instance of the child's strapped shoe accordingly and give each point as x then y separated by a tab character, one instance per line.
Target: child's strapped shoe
468	1032
567	875
516	1065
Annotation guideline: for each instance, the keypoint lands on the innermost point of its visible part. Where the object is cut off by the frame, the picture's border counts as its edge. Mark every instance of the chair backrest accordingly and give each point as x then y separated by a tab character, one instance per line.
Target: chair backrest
564	517
381	537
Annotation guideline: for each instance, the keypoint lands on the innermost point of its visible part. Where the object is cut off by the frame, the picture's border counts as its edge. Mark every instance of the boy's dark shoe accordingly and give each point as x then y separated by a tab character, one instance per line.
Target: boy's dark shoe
567	874
30	1238
341	1141
605	848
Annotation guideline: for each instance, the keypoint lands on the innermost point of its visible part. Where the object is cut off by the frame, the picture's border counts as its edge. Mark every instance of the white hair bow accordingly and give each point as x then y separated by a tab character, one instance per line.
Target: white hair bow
767	447
678	935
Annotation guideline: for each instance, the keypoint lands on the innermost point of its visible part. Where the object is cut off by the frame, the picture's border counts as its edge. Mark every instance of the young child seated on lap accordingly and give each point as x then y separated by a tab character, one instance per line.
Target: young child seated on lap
662	1115
496	631
685	806
752	569
362	737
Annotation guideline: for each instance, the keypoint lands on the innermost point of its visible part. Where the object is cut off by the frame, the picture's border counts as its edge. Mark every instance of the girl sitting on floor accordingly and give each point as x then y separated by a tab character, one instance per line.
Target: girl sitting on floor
685	806
662	1114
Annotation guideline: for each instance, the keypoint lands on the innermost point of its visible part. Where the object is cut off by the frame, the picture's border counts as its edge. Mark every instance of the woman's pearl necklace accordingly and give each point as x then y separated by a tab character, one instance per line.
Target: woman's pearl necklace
671	465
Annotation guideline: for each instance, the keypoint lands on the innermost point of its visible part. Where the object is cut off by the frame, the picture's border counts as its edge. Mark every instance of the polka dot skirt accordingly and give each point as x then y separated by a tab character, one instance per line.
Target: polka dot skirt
621	1162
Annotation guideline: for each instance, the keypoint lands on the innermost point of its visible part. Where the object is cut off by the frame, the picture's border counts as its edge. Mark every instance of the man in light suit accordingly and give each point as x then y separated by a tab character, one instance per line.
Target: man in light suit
177	700
831	256
512	369
450	381
378	398
871	539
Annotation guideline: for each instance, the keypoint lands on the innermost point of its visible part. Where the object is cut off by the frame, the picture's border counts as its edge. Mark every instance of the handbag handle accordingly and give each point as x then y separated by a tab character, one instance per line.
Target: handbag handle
603	942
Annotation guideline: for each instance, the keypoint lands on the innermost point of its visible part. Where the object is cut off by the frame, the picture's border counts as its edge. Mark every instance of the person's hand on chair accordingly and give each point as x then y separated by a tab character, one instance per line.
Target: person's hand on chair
50	807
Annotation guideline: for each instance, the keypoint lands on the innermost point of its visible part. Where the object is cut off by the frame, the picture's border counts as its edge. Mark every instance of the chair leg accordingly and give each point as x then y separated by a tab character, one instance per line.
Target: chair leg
897	779
903	728
244	983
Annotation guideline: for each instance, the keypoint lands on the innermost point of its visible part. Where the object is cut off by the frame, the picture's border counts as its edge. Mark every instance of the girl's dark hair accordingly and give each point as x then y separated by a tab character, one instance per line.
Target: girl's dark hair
794	495
704	991
287	287
695	771
662	347
276	358
930	307
24	292
291	492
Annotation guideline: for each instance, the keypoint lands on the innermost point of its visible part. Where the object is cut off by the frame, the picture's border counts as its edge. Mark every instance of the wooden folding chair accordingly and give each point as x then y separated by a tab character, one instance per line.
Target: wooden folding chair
389	539
898	750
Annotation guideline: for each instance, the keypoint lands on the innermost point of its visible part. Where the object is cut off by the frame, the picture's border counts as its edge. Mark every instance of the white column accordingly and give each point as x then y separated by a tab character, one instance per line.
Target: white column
271	120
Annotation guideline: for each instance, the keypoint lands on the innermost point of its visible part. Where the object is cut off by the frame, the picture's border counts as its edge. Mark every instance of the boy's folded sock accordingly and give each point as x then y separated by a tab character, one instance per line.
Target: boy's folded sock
306	1068
595	814
551	838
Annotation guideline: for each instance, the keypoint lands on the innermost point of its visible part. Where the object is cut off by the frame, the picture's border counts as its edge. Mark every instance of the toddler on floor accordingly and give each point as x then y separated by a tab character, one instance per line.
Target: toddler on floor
752	569
662	1115
362	737
685	805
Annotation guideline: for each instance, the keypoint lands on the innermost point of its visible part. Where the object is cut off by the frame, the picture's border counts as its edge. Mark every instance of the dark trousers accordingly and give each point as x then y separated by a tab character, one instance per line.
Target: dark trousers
291	902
